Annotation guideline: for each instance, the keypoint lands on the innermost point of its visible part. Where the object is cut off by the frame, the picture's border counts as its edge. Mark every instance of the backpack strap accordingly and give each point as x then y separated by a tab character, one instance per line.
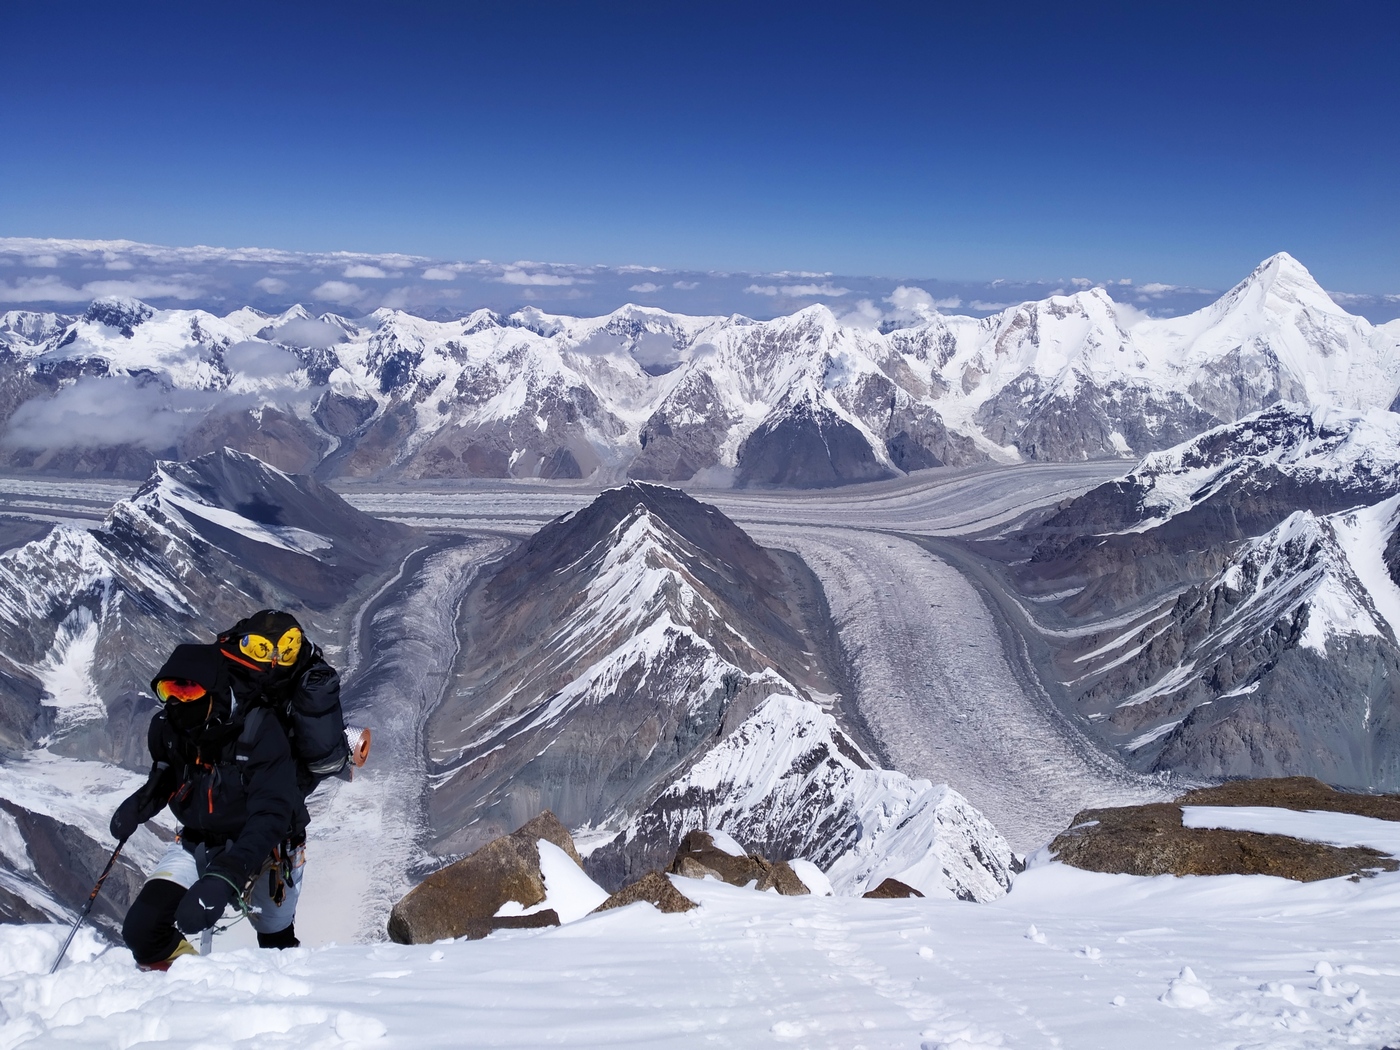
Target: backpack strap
252	725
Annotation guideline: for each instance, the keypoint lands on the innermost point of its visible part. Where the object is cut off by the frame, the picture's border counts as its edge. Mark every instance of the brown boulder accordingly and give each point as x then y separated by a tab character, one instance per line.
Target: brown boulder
699	858
1150	840
892	889
654	888
461	900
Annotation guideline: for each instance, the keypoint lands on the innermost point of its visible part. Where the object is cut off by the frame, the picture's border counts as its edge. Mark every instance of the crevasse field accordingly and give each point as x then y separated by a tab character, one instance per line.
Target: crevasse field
1068	959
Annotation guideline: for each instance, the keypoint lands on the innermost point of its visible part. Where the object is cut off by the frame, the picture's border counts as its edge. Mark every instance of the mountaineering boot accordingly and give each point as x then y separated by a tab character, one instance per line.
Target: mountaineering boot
183	948
281	939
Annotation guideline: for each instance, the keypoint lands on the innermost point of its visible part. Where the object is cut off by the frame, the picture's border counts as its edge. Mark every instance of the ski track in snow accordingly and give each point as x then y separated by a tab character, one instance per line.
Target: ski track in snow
935	687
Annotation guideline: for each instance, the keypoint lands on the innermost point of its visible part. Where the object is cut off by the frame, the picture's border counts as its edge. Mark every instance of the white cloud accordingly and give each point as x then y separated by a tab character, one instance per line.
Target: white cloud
338	292
916	304
306	331
261	360
1393	298
271	285
46	261
120	264
143	288
1082	282
53	289
439	273
978	304
109	411
1157	289
807	291
1124	280
645	287
512	276
686	286
1349	297
762	289
865	314
1129	315
362	270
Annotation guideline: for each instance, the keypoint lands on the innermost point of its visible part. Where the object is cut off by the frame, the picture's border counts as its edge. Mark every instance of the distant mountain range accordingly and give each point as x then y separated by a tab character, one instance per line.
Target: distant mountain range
804	400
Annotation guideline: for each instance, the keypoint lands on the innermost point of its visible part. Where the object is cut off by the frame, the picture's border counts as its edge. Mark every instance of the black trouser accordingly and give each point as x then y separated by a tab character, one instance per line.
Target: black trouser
149	929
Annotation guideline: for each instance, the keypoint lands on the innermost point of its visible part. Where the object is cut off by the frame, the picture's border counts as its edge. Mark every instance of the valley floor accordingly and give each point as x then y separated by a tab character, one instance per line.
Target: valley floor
1069	959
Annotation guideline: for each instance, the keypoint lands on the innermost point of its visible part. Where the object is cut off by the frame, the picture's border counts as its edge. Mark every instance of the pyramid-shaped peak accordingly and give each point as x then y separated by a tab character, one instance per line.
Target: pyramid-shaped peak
1284	278
702	526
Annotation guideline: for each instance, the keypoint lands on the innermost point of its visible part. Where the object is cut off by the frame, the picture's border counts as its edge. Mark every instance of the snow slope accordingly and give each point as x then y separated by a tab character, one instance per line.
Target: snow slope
789	783
1068	959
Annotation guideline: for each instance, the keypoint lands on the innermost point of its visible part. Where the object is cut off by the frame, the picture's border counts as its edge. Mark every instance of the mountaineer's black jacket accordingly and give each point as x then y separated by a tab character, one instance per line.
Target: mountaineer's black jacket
242	795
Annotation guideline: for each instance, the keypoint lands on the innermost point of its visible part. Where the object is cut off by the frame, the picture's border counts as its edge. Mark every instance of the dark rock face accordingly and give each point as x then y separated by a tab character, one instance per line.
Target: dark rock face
700	858
341	415
1238	636
461	900
122	314
607	654
1150	840
1044	425
278	438
1303	794
892	889
807	447
654	888
683	436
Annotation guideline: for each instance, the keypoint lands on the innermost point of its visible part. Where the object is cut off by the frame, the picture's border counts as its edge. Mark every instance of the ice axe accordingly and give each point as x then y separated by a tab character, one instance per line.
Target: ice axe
92	899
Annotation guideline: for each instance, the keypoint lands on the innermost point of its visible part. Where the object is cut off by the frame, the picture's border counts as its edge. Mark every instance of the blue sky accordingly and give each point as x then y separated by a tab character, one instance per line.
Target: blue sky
1177	143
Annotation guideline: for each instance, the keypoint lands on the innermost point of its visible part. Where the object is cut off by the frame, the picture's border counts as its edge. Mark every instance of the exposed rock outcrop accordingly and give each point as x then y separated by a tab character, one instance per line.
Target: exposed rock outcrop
891	889
1151	839
700	858
654	888
463	899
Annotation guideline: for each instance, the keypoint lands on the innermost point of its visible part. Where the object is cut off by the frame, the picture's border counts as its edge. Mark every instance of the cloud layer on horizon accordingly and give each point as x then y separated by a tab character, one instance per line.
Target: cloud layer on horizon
61	274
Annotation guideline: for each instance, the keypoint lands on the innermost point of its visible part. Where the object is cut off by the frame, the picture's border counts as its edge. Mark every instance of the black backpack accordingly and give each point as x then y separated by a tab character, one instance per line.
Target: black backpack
305	699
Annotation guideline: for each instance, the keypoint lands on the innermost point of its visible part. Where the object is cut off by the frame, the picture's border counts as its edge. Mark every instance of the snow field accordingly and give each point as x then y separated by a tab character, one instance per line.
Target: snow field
1068	959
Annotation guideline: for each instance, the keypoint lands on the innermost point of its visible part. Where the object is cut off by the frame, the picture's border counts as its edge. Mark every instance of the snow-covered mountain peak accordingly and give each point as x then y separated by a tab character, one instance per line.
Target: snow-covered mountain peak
32	326
789	782
1281	280
119	313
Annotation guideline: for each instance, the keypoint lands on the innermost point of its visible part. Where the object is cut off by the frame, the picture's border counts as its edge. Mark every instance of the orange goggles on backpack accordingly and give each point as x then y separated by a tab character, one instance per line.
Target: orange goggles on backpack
179	691
284	651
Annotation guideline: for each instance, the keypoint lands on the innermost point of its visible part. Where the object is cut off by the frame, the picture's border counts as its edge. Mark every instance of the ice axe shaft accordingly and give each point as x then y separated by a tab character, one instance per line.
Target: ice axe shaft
92	899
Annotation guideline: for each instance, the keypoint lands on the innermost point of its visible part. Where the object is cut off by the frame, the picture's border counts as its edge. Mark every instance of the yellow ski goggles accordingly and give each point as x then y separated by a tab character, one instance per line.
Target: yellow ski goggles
284	651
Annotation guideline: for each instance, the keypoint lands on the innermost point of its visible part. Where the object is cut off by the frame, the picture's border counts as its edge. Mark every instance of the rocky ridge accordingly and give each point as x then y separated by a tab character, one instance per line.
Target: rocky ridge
1227	608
